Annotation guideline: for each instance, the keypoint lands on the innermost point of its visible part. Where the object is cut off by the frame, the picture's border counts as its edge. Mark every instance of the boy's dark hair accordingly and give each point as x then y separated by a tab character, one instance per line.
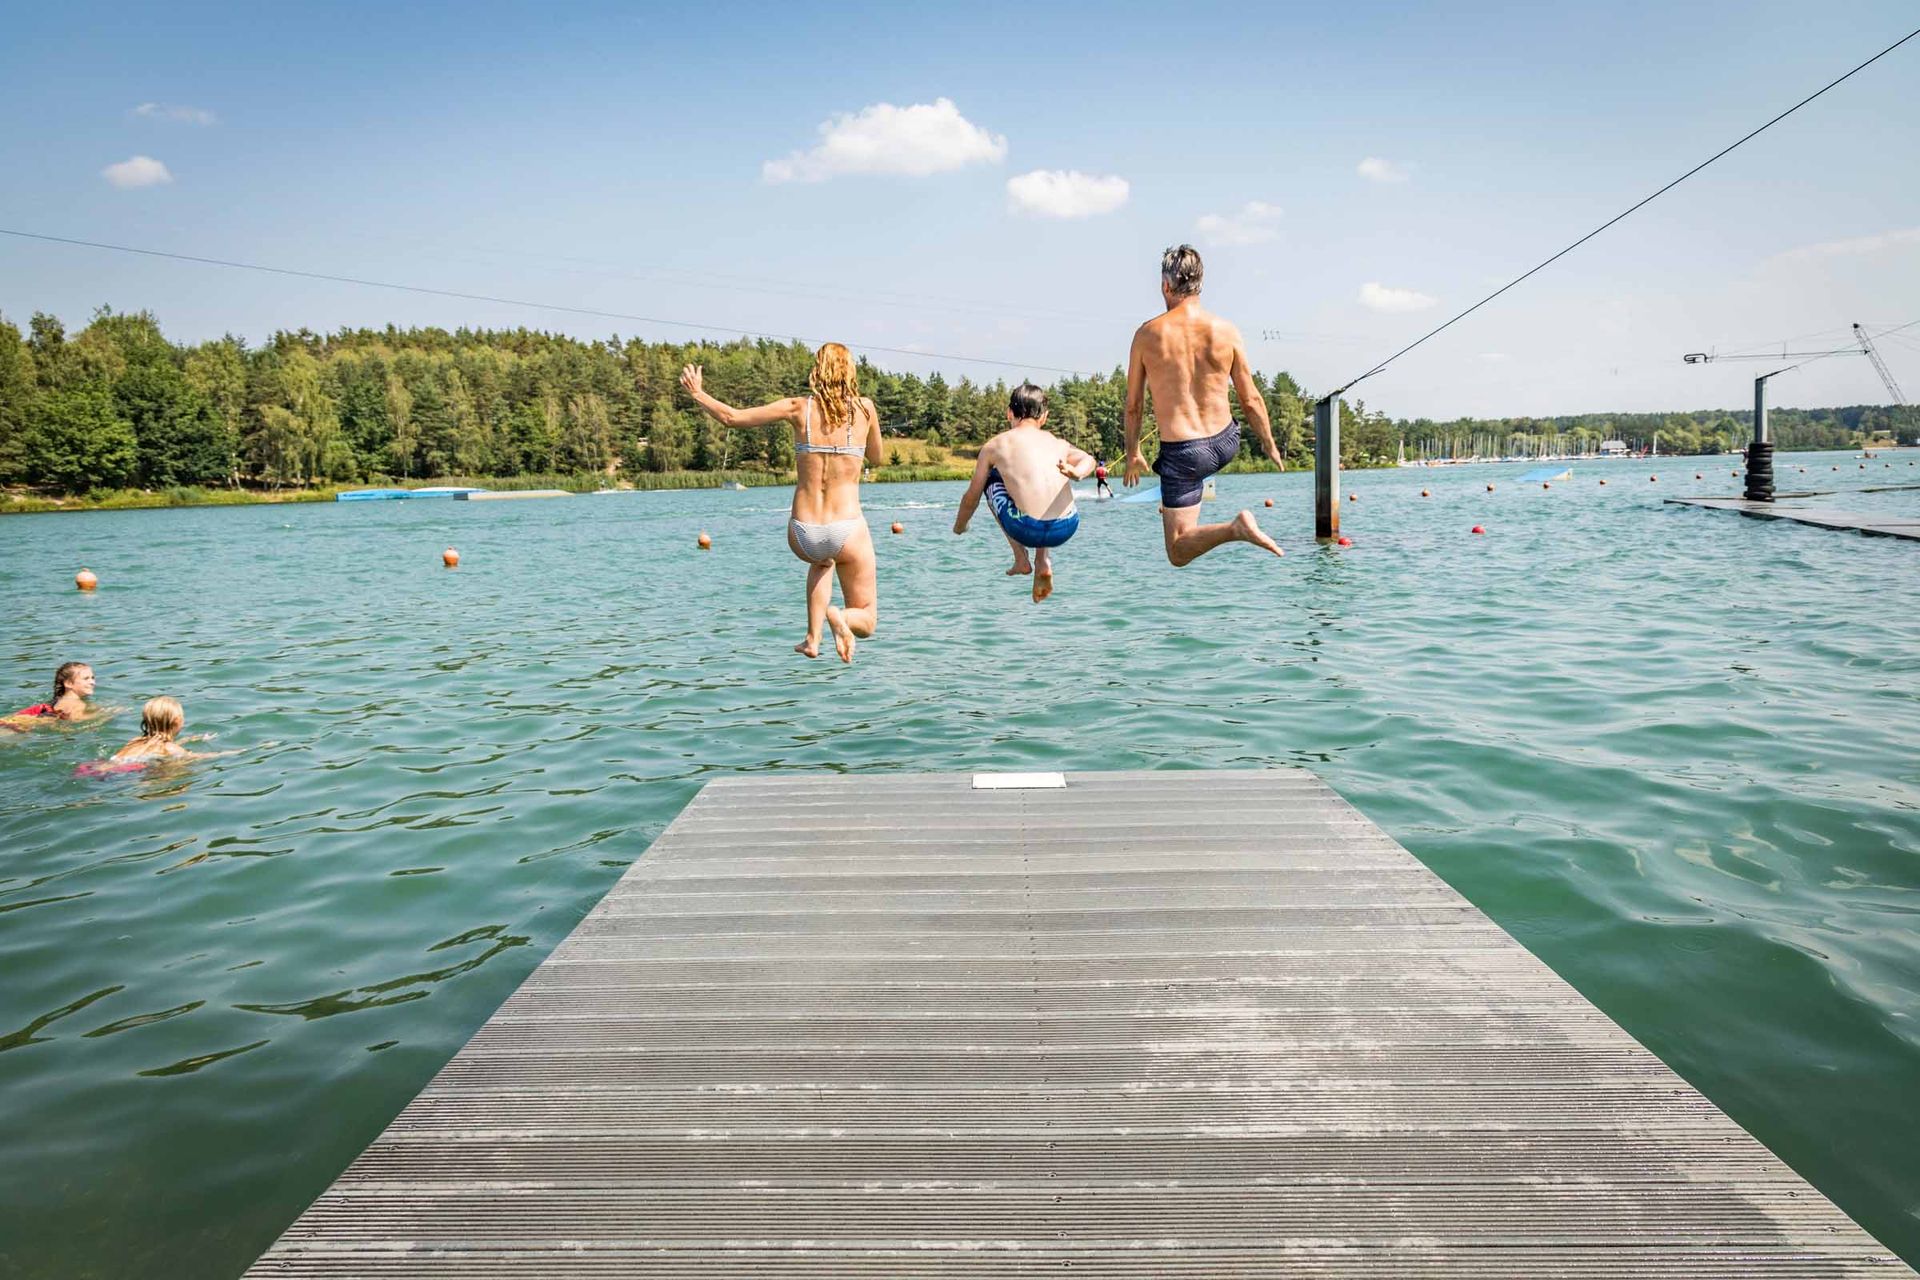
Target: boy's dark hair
1027	402
1181	268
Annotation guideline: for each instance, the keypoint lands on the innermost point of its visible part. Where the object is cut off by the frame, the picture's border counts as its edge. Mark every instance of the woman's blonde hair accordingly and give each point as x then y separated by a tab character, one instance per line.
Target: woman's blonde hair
161	717
834	384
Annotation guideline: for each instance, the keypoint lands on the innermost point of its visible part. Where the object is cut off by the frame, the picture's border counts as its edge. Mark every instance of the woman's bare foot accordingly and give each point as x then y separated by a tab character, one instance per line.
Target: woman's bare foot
1246	529
808	648
843	641
1042	585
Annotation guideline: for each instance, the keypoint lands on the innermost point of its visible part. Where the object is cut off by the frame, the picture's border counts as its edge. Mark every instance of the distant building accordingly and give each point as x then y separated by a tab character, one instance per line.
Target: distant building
1613	448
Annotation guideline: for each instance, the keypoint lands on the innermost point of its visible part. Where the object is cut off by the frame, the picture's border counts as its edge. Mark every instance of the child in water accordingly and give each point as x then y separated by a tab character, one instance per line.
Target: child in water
160	723
72	686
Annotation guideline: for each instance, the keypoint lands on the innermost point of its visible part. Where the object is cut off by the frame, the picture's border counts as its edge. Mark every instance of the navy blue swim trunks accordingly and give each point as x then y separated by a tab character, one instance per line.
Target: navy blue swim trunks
1184	465
1023	529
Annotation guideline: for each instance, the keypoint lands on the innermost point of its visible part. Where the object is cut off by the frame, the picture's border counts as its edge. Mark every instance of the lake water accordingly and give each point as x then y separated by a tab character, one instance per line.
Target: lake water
1672	751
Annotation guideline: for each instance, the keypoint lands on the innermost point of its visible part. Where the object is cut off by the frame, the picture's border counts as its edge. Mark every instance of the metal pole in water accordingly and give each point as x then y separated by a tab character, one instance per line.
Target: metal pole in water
1760	452
1326	468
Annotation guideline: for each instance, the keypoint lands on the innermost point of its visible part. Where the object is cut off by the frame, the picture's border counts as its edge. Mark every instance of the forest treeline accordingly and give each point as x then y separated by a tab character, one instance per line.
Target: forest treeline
118	405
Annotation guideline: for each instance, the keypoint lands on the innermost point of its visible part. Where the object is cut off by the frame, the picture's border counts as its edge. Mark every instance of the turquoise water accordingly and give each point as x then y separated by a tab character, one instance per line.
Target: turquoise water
1673	751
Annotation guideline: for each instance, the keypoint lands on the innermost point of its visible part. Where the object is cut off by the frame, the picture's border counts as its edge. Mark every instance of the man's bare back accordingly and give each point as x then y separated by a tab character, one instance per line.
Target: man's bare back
1188	357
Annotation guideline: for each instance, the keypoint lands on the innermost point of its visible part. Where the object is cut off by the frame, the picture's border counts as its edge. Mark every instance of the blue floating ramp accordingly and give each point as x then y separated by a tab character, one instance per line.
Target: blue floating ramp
1145	495
1540	475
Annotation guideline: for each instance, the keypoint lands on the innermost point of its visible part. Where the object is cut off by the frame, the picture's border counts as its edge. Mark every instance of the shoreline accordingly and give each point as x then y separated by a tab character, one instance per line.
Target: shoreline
25	504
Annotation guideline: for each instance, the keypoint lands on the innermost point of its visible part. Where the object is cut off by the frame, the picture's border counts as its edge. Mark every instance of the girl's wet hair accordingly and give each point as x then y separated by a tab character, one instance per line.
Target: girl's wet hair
66	673
161	717
1181	268
834	384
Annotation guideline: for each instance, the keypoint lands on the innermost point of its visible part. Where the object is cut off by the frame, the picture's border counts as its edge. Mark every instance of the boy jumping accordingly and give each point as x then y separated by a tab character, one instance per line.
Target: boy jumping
1024	473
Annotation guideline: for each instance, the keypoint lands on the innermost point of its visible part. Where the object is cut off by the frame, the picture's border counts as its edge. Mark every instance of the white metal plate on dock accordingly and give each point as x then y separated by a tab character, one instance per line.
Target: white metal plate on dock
1019	781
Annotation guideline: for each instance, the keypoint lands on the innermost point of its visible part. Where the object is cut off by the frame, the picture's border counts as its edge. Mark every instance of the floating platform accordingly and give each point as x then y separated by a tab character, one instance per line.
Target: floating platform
397	495
511	495
1146	1025
1875	525
1545	475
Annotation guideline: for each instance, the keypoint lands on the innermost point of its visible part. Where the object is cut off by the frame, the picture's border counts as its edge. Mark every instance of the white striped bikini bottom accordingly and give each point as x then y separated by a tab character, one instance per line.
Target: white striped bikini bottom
822	543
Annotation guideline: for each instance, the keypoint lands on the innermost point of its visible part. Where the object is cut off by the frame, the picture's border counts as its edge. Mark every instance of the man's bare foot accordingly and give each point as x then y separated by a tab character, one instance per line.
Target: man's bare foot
1042	586
808	648
1246	529
1020	566
843	641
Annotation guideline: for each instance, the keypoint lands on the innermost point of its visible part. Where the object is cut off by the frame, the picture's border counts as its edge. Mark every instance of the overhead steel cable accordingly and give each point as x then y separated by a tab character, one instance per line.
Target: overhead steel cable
523	302
1624	213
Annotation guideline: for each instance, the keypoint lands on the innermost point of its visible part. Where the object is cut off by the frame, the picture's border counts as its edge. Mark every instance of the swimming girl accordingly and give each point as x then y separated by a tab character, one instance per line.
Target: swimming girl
72	686
160	723
835	431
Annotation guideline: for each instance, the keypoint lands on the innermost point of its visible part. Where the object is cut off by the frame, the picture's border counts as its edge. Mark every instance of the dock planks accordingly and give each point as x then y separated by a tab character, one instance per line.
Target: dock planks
1166	1024
1876	525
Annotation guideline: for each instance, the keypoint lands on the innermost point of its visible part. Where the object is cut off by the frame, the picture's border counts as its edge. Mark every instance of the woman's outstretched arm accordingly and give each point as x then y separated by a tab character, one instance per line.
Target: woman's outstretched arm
728	416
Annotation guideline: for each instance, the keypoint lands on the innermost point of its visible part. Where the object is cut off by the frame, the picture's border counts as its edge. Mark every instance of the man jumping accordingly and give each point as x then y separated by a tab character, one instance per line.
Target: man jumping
1188	358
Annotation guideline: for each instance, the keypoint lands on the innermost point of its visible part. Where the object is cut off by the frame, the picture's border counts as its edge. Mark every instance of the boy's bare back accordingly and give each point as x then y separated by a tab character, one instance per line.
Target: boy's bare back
1028	459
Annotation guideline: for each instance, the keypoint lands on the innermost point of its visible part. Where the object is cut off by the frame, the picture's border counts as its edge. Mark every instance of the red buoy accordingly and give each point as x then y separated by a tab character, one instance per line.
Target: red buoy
1346	541
1353	497
898	527
1545	485
1479	528
1269	501
1425	494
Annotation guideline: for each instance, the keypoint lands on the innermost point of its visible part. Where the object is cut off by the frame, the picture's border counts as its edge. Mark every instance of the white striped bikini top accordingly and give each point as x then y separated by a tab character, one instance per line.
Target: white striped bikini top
806	444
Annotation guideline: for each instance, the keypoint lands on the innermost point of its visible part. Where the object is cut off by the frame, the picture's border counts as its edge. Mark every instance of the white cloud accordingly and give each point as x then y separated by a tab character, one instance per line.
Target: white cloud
1065	193
1854	247
917	140
1378	297
1374	169
174	113
1255	223
139	171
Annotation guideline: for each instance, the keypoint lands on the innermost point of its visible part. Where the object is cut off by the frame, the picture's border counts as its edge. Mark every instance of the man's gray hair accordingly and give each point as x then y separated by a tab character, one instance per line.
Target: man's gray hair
1181	269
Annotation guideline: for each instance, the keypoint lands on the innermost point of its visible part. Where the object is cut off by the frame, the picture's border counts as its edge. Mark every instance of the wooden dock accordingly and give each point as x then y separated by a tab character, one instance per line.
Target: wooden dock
1166	1024
1876	525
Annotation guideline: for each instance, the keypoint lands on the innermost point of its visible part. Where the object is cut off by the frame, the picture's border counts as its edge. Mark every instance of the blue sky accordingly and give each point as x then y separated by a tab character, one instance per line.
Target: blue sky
617	158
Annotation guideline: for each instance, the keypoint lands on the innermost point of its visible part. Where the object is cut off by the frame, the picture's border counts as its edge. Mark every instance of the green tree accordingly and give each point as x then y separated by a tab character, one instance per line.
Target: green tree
669	438
586	443
217	371
17	394
181	439
76	440
403	442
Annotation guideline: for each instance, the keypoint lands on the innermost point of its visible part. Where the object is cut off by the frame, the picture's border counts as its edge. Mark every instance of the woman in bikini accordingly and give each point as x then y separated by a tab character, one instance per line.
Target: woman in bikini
835	434
72	686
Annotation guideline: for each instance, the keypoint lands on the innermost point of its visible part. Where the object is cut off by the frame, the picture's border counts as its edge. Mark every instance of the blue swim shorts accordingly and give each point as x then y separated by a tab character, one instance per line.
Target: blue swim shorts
1184	465
1026	530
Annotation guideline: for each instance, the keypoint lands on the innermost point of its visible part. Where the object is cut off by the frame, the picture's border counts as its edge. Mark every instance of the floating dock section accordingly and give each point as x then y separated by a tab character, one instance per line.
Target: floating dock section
1877	525
511	495
1143	1025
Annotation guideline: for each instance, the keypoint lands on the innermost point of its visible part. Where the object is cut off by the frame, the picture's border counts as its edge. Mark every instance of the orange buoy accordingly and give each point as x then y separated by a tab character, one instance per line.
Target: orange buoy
1346	541
1545	485
1734	474
1603	482
1489	488
898	527
1425	494
1698	476
450	558
1479	528
85	580
706	543
1269	501
1653	479
1353	497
